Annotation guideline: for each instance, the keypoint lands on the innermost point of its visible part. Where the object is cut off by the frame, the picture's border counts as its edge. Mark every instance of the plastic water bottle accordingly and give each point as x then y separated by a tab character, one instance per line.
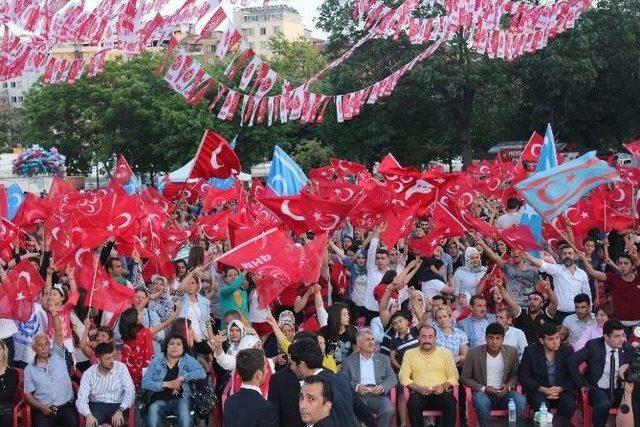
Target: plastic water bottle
543	414
512	411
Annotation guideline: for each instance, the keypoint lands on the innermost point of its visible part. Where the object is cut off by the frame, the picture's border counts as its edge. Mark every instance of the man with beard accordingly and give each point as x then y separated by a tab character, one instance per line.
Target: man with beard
520	277
530	319
624	288
568	280
430	373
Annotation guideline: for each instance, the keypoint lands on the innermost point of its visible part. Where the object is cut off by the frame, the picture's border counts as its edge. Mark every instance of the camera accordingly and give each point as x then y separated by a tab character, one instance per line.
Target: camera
633	373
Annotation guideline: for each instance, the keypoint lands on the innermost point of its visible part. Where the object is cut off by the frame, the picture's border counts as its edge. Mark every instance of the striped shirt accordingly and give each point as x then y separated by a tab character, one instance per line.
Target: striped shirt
114	387
394	342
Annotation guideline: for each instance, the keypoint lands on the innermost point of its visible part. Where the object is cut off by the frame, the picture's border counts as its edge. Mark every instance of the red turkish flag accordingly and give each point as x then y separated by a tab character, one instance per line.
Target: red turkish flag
446	221
103	293
151	195
33	210
4	204
274	258
519	237
398	225
619	198
216	197
8	233
20	291
123	172
325	173
308	212
214	227
314	253
388	164
634	148
215	158
345	168
630	174
470	221
59	188
340	192
425	245
532	150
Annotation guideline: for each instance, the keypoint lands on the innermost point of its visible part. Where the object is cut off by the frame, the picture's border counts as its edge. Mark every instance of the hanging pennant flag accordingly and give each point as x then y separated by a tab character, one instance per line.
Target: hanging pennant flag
285	176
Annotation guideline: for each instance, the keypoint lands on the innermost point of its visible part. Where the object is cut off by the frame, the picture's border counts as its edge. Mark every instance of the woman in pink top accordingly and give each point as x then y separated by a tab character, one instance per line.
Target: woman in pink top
58	295
594	330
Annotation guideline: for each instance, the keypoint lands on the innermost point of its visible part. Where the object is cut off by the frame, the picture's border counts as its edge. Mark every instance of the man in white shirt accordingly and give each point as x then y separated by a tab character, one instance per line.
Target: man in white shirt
512	216
377	265
512	336
371	376
568	280
106	390
491	371
583	317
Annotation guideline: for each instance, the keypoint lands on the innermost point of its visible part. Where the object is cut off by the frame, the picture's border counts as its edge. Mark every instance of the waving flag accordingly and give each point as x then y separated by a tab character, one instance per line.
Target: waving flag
553	191
224	184
634	148
20	291
285	176
15	197
546	160
215	158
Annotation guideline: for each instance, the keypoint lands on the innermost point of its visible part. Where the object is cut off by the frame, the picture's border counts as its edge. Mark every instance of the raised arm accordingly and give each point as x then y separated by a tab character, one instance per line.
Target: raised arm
335	248
490	253
159	327
598	275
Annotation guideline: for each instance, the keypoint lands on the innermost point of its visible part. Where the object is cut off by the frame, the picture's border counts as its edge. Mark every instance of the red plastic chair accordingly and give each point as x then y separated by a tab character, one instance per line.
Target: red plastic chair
22	410
435	413
587	410
472	416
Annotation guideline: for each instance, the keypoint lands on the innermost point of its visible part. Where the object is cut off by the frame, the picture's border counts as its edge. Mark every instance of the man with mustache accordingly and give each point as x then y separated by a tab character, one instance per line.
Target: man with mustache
568	280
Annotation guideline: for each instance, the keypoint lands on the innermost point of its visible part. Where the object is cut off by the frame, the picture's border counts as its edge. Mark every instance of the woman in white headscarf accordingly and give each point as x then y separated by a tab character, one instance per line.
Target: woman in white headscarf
467	277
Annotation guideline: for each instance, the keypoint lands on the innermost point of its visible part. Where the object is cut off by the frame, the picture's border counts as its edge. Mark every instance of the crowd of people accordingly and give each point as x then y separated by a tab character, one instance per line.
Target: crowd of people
384	335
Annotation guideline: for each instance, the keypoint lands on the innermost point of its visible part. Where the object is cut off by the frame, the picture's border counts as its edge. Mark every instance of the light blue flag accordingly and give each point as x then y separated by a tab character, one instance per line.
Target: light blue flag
133	186
15	197
548	159
285	176
224	184
554	190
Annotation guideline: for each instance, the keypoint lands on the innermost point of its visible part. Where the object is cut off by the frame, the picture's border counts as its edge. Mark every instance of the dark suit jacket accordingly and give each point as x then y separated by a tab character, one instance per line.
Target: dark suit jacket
284	392
346	403
381	366
593	353
325	422
532	373
474	371
247	408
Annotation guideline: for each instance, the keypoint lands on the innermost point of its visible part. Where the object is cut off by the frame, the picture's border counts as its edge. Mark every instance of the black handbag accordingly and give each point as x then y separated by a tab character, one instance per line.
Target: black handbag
203	398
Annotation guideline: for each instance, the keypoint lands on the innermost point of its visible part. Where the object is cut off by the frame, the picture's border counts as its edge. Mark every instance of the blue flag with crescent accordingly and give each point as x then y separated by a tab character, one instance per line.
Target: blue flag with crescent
548	159
15	197
554	190
285	176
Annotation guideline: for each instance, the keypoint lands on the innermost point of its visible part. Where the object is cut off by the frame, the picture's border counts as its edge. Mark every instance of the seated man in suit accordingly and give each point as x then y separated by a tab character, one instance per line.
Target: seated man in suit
603	357
371	376
430	373
306	360
544	375
491	370
316	400
247	407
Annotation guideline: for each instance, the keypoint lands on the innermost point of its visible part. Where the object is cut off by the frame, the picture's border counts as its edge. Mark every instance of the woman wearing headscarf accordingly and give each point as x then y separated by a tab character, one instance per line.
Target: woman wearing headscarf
468	277
160	298
273	349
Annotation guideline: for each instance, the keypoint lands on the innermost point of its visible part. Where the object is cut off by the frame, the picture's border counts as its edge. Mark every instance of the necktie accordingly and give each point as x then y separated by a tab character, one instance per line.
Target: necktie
612	374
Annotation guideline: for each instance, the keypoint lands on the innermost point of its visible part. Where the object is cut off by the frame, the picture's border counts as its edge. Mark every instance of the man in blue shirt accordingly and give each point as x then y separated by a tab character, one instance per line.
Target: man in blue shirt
476	324
47	385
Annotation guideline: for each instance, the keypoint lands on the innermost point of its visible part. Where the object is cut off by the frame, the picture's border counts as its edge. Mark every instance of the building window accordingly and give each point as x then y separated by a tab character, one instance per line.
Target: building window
13	84
263	31
14	99
4	85
214	47
20	98
248	31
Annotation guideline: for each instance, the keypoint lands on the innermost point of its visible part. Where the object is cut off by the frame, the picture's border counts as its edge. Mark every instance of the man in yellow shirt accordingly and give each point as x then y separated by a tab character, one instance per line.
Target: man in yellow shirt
430	373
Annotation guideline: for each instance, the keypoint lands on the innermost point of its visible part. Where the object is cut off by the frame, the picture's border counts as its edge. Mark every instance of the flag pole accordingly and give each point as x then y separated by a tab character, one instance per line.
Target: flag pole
93	282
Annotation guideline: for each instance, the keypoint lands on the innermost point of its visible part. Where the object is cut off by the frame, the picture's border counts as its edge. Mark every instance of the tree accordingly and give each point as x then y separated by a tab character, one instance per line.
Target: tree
11	125
311	154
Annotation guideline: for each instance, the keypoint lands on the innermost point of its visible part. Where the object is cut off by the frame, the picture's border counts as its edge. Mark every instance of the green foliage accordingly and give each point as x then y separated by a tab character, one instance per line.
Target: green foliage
11	125
311	154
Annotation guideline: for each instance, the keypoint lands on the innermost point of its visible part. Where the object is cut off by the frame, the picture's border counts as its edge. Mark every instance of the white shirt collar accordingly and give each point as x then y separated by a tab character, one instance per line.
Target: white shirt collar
366	359
251	387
